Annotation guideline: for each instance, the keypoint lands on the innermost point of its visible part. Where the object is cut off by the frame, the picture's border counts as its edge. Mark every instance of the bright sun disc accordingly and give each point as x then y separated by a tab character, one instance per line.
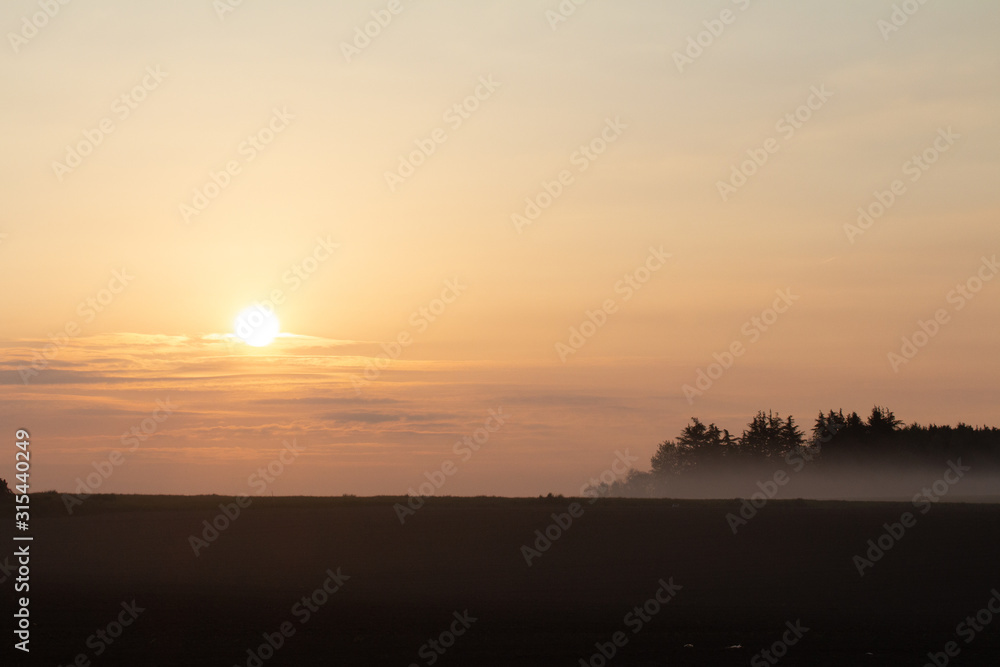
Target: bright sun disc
257	326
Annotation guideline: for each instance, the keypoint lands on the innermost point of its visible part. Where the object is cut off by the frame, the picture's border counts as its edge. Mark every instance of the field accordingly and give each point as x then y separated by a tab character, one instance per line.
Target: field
399	586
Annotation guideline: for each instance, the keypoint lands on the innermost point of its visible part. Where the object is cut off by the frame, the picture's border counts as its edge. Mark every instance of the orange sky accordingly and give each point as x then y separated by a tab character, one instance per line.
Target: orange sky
608	209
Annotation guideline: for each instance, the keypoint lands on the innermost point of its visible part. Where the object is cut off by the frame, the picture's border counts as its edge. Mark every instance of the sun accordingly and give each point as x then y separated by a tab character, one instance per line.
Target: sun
257	326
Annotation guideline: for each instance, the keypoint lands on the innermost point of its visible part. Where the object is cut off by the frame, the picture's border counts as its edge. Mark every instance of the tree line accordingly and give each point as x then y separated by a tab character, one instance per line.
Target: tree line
836	439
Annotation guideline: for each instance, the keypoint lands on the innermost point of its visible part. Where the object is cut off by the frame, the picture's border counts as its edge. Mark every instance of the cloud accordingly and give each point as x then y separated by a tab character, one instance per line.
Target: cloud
382	417
326	400
362	417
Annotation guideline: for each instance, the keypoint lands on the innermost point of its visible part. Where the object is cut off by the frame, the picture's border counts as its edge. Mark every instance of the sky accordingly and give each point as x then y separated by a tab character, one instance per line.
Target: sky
560	229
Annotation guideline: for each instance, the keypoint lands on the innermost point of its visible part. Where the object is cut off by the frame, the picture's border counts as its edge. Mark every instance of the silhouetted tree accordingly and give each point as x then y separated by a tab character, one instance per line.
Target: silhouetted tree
827	426
766	435
697	444
668	459
703	443
791	436
882	422
856	441
854	424
5	491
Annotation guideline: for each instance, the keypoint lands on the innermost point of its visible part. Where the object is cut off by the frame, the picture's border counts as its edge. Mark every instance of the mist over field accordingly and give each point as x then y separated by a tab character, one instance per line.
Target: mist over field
845	457
907	483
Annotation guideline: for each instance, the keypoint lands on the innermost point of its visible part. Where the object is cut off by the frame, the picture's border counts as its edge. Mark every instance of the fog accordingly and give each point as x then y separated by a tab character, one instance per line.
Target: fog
949	482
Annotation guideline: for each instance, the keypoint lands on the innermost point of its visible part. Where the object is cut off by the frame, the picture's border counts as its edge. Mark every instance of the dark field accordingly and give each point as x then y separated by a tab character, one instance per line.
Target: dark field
791	562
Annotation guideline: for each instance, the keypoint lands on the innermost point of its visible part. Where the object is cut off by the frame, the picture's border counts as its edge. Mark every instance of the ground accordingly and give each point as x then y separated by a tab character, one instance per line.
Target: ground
402	585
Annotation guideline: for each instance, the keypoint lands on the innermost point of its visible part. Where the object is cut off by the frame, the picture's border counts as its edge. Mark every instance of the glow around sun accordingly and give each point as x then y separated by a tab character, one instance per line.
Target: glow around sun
257	326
